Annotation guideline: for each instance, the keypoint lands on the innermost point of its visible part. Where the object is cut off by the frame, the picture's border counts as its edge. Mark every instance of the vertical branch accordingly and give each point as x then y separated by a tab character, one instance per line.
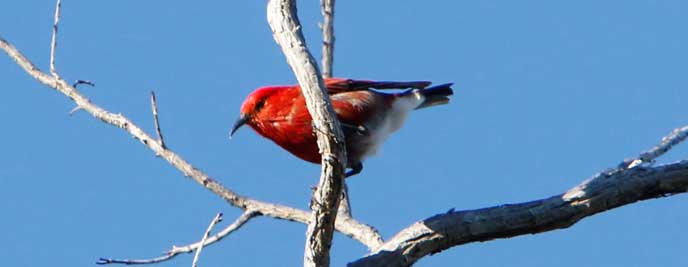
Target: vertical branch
53	43
154	106
286	30
327	8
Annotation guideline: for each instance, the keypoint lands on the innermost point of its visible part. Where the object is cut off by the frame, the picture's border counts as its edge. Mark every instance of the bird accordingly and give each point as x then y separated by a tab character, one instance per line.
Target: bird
367	115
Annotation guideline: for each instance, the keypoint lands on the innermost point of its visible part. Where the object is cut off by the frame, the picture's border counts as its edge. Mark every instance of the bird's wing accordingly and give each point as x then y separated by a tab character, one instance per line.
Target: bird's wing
340	85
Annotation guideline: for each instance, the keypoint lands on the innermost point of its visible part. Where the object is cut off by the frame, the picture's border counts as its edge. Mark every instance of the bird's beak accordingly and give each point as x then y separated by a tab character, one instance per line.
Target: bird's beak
239	122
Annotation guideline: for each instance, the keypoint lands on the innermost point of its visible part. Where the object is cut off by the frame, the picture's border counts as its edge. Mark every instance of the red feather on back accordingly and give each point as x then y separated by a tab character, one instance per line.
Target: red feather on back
279	113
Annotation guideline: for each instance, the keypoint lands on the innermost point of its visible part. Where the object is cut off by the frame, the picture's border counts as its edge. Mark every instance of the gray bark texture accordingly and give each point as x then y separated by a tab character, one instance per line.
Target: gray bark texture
327	7
286	30
603	192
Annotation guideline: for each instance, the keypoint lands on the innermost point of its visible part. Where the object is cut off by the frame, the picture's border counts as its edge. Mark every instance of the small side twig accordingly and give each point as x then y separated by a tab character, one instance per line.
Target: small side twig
53	43
176	250
215	220
154	106
677	136
286	30
104	261
327	10
86	82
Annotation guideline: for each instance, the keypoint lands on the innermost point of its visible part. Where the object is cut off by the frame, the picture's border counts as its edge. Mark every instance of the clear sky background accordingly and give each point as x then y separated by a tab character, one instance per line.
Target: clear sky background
547	94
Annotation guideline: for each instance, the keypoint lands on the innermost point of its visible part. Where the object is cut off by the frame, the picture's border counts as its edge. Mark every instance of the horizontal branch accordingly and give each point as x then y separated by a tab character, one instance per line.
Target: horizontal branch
677	136
206	234
603	192
53	41
327	10
352	228
176	250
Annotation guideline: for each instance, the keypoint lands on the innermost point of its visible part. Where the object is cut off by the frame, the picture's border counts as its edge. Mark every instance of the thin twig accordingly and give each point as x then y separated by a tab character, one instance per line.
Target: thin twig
215	220
86	82
53	43
604	191
104	261
327	10
176	250
154	106
456	228
677	136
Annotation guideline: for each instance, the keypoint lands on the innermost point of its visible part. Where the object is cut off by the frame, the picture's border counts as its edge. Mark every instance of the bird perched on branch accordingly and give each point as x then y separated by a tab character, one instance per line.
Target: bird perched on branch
367	116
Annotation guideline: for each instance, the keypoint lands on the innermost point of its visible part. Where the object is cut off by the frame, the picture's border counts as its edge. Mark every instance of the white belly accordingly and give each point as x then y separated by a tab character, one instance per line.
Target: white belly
393	120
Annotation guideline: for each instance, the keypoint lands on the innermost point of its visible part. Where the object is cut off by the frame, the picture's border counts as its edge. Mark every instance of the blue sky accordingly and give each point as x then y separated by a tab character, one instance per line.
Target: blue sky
547	94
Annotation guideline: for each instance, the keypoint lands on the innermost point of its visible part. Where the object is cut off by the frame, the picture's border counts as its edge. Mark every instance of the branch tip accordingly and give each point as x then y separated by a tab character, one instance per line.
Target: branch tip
154	107
53	42
74	110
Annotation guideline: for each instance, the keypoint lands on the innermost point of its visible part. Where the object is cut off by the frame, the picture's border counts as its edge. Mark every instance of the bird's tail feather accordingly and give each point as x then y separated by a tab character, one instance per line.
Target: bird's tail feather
436	95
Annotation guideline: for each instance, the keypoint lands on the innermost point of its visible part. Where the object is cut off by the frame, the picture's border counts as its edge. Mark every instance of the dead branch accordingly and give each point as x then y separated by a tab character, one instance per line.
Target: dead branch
677	136
606	190
154	107
287	33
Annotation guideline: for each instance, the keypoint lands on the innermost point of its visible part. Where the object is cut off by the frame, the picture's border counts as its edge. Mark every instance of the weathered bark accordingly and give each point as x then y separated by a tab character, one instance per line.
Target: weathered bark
604	192
325	202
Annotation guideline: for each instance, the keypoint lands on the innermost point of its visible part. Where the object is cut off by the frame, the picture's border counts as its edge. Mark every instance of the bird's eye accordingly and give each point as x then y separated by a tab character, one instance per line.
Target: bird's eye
259	104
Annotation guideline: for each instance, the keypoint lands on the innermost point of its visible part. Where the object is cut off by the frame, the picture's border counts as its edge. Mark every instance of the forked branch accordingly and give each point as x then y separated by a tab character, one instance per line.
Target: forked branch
154	107
176	250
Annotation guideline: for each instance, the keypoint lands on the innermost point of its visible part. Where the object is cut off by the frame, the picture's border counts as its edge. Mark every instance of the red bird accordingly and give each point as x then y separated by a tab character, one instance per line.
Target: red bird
367	116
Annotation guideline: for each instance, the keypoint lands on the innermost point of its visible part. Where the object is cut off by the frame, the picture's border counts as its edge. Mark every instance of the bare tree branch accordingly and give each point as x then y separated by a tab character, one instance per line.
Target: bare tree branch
606	190
164	257
215	220
53	42
677	136
244	218
327	27
352	228
154	106
286	30
86	82
327	9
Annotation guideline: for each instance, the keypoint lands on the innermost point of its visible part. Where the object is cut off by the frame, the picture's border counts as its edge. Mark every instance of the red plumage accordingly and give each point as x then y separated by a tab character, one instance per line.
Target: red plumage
367	116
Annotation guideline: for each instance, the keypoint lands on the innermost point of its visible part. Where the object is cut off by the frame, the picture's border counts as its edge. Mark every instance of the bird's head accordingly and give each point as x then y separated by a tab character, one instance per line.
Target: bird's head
252	108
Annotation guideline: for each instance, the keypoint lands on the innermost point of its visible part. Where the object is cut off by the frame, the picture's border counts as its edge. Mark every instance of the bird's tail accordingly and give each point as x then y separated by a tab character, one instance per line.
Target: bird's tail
436	95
